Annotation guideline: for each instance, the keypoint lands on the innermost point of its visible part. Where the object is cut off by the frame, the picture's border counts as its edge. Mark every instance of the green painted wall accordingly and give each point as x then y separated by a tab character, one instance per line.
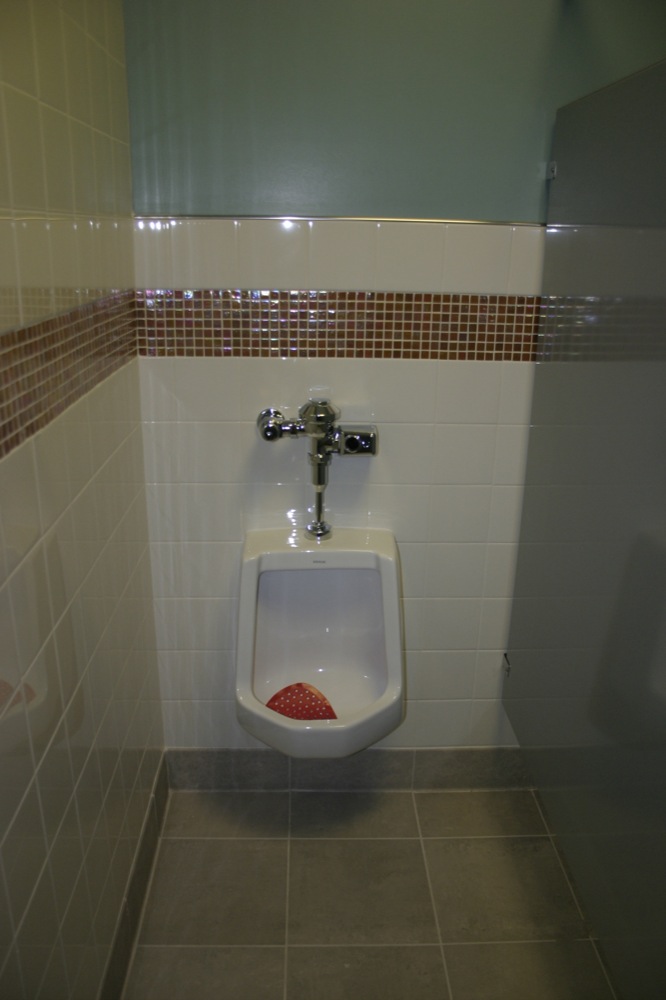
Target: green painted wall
393	108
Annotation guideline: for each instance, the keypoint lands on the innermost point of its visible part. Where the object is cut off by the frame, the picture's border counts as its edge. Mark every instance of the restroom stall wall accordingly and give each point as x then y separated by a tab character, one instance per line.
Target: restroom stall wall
587	647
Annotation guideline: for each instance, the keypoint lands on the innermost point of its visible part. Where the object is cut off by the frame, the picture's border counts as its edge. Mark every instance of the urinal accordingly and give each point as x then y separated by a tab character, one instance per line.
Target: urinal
326	615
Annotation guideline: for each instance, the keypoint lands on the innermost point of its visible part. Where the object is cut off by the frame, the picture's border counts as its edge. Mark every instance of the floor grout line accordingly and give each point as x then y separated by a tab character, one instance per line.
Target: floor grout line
432	900
287	895
136	943
287	947
453	836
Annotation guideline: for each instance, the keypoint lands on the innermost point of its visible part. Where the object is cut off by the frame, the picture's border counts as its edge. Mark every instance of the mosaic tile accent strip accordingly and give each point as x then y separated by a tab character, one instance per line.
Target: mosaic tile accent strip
600	328
326	324
46	367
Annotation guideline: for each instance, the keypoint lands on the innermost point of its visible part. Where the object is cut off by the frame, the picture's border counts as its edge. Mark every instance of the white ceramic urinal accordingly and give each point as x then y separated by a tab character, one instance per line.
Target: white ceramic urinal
326	615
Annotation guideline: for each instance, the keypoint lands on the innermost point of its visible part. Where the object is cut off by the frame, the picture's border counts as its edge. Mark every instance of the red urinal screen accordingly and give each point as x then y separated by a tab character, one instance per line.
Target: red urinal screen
301	701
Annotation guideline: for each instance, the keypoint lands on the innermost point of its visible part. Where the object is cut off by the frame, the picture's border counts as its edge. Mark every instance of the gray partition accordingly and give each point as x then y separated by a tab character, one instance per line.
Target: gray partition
586	692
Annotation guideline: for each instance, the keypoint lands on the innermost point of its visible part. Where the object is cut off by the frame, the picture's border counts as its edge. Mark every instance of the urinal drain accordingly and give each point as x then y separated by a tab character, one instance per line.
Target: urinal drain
301	701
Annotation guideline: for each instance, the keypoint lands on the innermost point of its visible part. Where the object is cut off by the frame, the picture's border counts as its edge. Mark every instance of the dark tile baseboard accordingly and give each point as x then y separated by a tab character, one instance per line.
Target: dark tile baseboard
242	770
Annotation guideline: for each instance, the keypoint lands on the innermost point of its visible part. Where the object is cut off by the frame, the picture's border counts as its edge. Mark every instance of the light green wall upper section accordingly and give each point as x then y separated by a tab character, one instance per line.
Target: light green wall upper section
389	108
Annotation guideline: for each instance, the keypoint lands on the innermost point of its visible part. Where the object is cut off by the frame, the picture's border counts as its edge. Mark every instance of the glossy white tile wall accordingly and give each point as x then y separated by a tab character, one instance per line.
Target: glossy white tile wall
78	761
339	254
447	480
65	185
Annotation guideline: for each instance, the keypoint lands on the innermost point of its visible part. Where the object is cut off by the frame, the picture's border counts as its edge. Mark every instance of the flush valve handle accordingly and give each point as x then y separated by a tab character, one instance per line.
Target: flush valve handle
270	423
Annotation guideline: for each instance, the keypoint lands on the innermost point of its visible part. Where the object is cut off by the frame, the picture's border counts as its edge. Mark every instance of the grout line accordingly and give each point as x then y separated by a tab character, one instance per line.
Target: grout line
438	943
563	869
287	895
432	900
389	837
136	943
604	969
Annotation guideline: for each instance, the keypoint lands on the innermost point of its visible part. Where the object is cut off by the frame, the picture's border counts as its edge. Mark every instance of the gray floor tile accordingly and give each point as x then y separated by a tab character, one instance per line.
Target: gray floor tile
227	814
217	892
478	814
353	814
206	974
393	973
501	889
359	892
557	970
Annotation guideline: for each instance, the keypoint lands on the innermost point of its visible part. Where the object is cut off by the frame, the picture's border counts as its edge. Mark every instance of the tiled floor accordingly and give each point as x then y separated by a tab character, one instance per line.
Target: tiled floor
334	895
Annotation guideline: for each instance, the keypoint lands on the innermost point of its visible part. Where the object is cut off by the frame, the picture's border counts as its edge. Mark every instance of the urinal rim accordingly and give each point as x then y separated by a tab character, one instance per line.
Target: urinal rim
365	549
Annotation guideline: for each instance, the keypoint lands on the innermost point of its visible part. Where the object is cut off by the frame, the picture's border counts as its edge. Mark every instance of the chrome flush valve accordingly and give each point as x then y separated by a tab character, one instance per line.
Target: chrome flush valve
317	421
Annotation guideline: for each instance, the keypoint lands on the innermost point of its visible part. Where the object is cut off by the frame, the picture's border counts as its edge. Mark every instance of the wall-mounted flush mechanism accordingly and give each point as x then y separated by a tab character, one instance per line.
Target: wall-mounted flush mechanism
316	420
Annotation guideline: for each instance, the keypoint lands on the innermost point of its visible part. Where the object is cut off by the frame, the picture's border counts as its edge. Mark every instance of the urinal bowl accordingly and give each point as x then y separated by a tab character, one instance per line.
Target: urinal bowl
326	614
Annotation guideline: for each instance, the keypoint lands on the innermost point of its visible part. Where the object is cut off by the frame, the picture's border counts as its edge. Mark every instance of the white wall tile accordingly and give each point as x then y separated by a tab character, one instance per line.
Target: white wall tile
93	278
477	258
195	512
364	390
437	482
153	254
19	512
489	726
455	570
495	621
490	673
286	383
157	389
201	623
505	510
463	454
440	674
526	267
11	316
402	509
510	454
197	675
278	505
67	272
459	513
517	383
410	256
450	623
206	391
379	390
11	668
468	392
33	247
500	570
343	254
413	563
404	456
195	569
273	253
370	255
204	254
432	724
413	614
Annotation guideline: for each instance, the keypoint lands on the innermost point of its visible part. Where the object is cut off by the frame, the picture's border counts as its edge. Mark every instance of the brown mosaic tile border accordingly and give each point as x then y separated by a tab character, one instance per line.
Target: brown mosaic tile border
316	324
46	367
601	328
